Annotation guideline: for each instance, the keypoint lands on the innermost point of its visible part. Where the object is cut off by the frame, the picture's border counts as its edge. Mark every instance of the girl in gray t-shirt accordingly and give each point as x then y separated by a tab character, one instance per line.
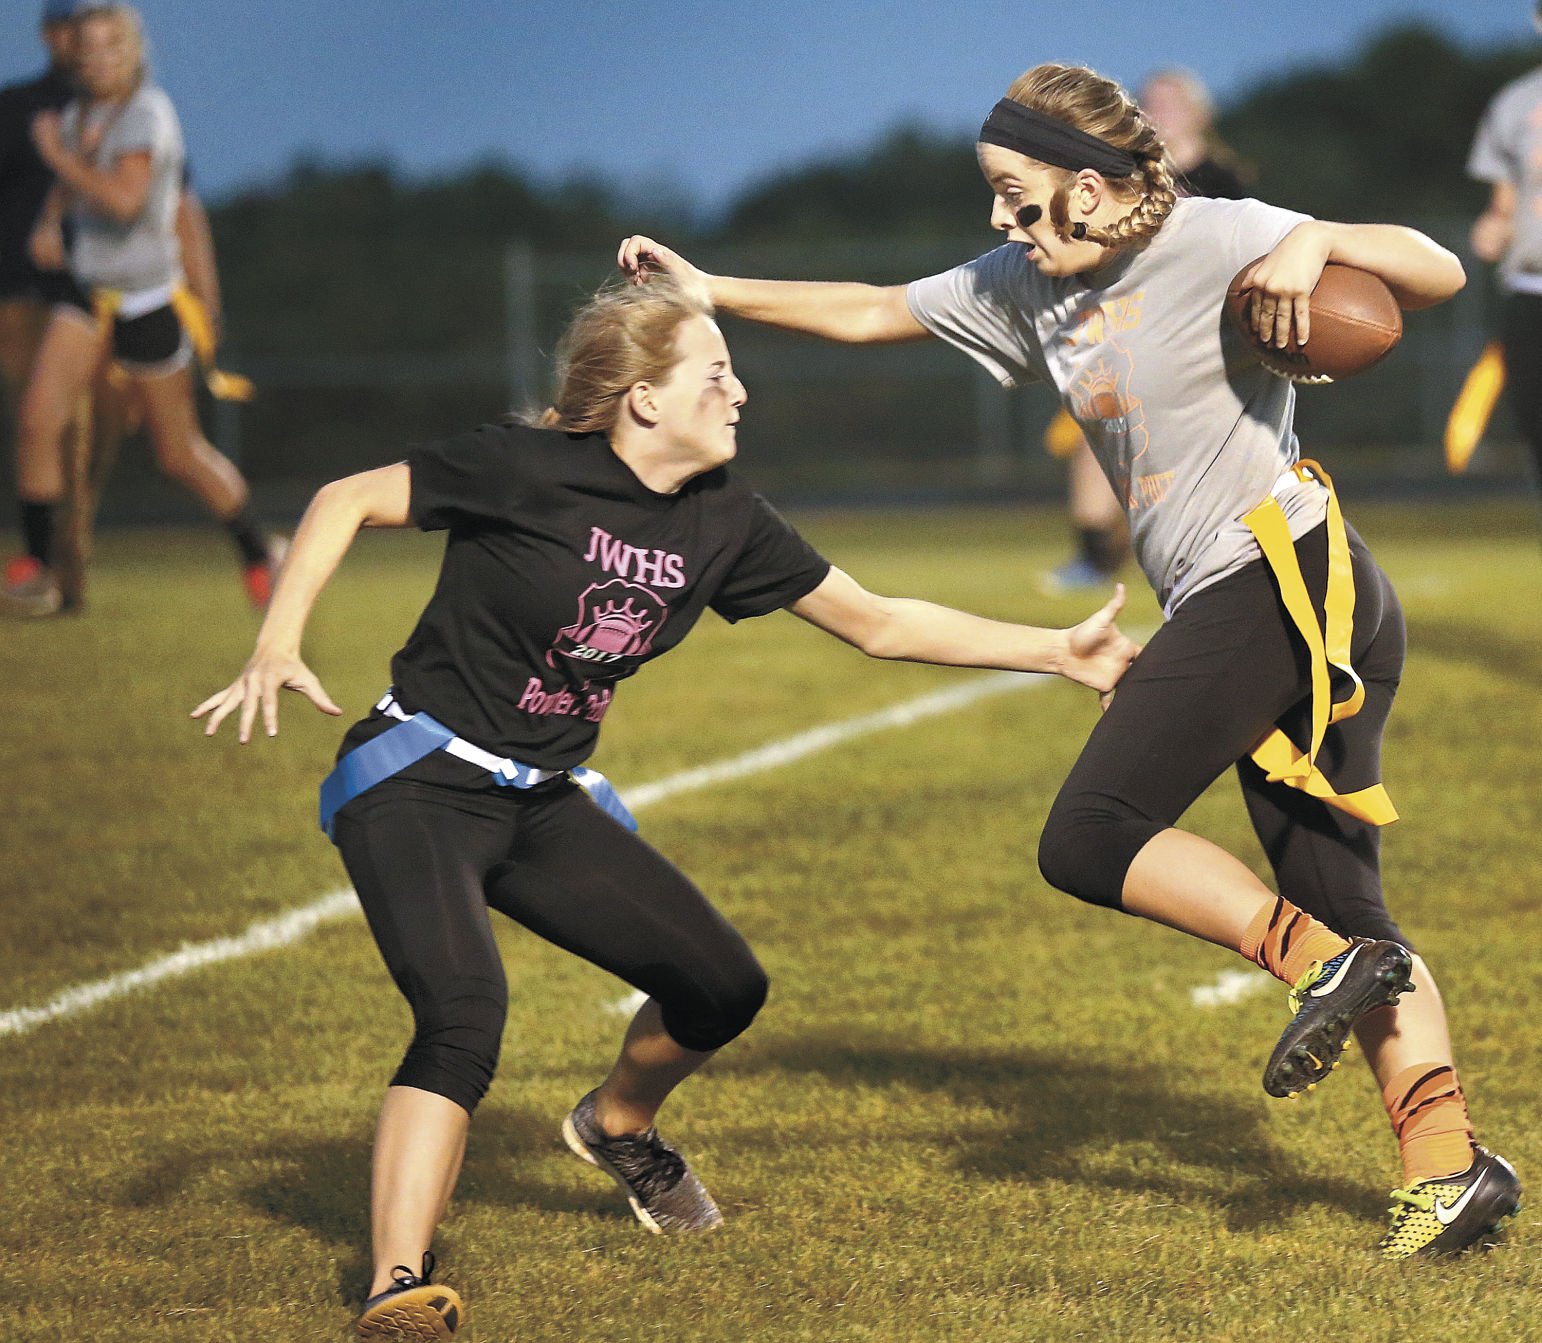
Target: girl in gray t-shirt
116	154
1110	288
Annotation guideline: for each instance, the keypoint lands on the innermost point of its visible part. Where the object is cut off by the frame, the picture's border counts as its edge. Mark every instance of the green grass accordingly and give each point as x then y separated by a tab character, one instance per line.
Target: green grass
973	1109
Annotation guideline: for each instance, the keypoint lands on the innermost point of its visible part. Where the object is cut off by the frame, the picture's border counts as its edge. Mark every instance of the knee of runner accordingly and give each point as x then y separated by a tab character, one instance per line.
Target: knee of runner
724	1015
1079	848
454	1049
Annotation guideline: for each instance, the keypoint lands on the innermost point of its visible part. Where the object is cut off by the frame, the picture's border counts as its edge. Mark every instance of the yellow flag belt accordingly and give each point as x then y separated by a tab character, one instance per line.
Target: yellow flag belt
200	331
1327	644
1474	405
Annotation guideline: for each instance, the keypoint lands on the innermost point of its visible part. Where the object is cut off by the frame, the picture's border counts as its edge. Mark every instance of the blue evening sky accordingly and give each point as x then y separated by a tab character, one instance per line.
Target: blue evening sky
685	96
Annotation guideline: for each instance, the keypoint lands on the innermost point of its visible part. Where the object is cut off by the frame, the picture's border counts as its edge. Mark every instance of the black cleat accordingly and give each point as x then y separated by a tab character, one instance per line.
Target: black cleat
1327	1001
662	1189
412	1309
1451	1213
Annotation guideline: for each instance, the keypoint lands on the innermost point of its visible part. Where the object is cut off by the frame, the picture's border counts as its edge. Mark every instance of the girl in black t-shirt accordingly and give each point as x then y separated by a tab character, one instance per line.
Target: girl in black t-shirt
577	550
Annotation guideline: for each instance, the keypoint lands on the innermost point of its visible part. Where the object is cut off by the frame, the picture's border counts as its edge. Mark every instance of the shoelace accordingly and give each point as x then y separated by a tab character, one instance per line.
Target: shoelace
1298	990
646	1160
1403	1199
405	1278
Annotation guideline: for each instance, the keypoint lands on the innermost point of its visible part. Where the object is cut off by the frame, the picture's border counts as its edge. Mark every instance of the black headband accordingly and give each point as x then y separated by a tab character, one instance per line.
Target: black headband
1052	141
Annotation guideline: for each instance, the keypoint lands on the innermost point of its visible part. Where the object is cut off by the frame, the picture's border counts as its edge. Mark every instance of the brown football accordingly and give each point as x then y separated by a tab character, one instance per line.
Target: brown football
1354	322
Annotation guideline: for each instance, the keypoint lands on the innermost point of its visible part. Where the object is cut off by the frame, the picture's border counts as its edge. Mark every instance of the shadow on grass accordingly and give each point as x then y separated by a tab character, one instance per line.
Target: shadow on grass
1482	645
322	1185
1060	1116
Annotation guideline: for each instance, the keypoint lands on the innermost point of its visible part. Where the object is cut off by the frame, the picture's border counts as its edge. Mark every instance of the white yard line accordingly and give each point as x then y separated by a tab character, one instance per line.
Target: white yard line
265	936
1231	986
298	924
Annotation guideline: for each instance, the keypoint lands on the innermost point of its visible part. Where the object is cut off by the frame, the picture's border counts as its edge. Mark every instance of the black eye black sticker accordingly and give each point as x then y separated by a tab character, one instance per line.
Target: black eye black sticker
1028	215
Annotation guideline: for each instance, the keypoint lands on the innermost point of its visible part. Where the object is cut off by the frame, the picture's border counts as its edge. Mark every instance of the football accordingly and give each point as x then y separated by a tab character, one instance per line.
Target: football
1354	321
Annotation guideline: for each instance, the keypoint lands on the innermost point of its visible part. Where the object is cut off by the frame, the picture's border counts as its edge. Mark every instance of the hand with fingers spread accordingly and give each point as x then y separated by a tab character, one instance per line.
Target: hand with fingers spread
639	257
1098	652
1282	284
256	688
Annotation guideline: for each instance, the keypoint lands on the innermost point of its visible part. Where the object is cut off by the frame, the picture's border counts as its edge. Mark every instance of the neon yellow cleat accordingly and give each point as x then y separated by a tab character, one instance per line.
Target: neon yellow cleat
1450	1213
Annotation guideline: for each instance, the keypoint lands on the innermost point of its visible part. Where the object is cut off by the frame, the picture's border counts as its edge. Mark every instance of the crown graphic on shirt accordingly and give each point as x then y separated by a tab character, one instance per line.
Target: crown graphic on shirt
616	626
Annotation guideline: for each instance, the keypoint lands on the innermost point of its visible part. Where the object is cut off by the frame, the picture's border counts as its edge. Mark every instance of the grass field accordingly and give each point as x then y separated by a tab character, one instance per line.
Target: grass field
973	1109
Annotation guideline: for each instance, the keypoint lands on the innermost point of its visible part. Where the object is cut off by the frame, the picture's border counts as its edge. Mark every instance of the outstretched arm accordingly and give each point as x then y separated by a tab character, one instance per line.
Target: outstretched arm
860	314
380	498
1094	653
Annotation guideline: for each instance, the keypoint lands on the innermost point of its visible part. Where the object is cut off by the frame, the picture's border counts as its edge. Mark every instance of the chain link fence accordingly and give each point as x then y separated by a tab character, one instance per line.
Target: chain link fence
824	423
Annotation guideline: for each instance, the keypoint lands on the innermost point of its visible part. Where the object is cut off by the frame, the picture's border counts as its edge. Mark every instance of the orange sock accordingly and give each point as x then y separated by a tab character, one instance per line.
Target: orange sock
1429	1116
1284	940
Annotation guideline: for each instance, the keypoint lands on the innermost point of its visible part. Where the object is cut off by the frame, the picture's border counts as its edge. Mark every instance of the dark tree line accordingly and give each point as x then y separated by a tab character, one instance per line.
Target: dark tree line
372	308
354	258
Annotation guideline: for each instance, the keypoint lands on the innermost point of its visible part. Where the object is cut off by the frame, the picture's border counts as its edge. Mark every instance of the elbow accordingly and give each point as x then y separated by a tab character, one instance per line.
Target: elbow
1457	276
1445	279
1441	283
878	638
1448	277
340	498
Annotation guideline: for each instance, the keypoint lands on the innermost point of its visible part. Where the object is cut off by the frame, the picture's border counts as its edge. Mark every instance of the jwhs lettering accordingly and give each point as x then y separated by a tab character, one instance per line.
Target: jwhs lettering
657	568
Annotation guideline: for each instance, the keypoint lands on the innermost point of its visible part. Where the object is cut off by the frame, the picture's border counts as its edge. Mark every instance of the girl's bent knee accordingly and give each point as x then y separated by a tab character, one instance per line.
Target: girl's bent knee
1086	851
454	1050
711	1024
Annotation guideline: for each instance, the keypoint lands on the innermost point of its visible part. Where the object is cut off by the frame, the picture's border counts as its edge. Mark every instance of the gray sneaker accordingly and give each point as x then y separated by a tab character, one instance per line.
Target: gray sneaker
663	1191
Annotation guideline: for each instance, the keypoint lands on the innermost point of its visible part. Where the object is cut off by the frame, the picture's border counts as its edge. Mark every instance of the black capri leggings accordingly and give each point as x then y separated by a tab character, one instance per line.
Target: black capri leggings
429	862
1208	686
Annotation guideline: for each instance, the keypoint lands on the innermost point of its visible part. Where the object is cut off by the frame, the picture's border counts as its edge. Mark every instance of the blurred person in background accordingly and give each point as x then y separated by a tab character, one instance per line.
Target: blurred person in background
117	157
1507	154
27	292
1178	105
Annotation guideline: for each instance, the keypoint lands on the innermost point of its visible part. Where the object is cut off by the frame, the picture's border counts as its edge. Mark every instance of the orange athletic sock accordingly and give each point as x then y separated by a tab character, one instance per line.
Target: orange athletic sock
1429	1116
1284	940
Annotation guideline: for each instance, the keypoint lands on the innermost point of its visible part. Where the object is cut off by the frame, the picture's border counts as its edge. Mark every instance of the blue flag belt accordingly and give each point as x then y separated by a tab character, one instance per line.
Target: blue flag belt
419	734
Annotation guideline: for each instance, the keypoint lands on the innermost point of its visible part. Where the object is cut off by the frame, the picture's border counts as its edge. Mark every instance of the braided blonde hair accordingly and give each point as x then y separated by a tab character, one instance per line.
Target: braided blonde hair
624	335
1092	103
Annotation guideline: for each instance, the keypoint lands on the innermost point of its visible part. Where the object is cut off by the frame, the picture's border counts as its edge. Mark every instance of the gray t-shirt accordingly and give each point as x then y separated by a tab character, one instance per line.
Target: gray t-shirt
1189	428
142	254
1508	148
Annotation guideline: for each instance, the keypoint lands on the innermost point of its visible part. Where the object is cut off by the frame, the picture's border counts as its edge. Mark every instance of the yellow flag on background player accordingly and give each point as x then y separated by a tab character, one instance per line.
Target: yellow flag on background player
1474	405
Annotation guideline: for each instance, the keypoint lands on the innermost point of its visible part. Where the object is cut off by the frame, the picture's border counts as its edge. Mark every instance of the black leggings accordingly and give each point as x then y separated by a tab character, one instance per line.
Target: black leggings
1208	686
429	861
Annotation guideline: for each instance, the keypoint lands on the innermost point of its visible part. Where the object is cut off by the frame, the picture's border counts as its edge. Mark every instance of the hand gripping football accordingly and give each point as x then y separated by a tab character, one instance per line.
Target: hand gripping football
1354	321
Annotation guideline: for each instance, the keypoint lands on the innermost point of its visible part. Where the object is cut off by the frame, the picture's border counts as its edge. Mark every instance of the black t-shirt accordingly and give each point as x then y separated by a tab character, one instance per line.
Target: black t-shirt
24	177
562	575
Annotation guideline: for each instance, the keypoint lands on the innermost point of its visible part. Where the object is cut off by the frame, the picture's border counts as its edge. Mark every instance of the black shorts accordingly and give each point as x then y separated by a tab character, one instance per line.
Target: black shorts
152	343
